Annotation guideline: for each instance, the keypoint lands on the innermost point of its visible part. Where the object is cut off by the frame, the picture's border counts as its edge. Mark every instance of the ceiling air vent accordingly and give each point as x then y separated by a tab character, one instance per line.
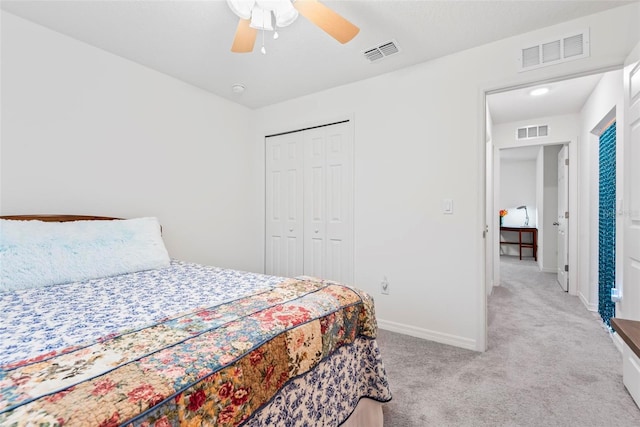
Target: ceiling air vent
534	131
381	51
573	46
554	51
531	57
551	51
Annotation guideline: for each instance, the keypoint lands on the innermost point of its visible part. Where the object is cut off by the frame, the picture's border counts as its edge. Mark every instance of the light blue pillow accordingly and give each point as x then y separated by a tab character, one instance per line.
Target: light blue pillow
37	253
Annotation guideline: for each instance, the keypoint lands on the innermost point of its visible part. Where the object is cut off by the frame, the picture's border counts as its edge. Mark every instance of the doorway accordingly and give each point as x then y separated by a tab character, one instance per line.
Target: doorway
529	199
559	127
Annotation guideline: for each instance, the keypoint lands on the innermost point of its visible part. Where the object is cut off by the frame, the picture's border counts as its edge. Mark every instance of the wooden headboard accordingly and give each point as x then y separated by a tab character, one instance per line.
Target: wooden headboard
57	218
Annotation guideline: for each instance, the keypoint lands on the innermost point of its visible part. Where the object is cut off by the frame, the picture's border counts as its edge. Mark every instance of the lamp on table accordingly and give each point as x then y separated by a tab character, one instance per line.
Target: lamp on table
526	219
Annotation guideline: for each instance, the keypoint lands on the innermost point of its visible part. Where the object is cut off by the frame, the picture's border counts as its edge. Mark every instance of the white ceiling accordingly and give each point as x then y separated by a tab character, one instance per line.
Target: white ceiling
191	40
564	97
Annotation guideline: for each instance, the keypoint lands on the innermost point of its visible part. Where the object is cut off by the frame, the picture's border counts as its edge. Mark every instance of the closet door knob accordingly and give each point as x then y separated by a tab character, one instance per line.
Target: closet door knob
291	229
316	231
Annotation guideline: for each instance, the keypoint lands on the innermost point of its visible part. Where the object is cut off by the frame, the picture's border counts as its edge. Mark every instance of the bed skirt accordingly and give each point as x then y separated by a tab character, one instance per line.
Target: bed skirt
346	389
368	413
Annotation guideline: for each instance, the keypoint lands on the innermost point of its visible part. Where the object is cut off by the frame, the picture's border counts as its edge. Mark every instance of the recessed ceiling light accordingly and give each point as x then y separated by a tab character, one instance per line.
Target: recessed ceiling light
237	88
539	91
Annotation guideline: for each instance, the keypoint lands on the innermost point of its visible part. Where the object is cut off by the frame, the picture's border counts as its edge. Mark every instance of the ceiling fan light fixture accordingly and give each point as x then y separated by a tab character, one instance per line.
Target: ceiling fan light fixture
285	13
242	8
261	19
260	15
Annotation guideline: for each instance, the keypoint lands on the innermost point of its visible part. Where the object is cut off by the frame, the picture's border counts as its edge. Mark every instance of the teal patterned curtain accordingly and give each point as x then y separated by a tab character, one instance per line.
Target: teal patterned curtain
607	224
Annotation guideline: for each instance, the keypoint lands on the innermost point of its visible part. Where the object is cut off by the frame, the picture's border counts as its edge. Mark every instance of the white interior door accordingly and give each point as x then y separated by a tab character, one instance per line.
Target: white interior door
328	202
563	218
489	216
629	306
284	203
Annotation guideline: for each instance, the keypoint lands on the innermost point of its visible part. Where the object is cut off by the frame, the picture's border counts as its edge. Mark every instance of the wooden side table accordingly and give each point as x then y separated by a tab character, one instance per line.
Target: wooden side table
533	244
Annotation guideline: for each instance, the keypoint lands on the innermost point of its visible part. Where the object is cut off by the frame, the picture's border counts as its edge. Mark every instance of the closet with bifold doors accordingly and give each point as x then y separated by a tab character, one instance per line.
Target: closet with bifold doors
309	203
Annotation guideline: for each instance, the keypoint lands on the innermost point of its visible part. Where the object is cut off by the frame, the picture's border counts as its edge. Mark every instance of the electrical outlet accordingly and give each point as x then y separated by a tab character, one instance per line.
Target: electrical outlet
384	286
447	206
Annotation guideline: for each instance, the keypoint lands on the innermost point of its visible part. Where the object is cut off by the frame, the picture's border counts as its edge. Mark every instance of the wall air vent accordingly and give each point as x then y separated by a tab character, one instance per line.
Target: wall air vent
534	131
554	51
381	51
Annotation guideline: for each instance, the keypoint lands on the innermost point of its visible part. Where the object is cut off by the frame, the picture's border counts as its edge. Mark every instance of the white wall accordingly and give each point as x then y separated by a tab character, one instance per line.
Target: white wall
431	147
87	132
562	128
517	188
608	95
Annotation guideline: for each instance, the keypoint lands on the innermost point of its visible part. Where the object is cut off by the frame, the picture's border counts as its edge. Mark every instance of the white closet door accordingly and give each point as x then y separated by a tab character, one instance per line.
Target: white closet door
284	207
315	203
328	202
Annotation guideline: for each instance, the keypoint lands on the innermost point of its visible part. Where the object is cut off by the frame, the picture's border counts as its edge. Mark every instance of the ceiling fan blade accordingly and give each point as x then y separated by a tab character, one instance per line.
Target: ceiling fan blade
328	20
245	37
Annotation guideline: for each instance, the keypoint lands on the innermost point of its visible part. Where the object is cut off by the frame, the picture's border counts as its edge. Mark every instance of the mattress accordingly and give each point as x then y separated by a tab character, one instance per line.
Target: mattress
188	345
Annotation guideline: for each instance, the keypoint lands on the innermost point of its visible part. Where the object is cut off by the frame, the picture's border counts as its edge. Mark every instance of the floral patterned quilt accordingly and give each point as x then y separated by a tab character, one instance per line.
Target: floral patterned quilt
187	345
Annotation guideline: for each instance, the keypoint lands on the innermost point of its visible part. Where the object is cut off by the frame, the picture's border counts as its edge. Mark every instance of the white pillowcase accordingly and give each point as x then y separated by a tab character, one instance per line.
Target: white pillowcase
37	253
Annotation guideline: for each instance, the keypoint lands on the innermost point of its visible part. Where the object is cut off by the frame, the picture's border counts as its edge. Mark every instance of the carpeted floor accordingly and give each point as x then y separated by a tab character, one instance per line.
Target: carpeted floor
549	363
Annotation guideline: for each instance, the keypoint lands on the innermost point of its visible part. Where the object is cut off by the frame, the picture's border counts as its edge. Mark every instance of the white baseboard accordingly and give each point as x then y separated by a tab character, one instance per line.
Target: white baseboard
590	307
426	334
617	341
548	270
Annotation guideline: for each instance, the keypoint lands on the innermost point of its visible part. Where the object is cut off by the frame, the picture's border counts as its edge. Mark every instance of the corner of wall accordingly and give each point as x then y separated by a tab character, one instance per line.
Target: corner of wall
443	338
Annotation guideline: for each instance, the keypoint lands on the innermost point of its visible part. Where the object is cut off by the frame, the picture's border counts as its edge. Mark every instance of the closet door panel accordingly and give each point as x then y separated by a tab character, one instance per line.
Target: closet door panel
339	223
284	207
314	203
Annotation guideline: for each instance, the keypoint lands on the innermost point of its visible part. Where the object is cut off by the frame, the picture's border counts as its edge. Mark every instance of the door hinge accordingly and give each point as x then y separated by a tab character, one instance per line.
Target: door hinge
566	215
566	162
566	267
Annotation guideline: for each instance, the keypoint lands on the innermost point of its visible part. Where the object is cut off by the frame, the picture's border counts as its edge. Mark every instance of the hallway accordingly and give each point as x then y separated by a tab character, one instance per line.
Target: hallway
563	350
549	363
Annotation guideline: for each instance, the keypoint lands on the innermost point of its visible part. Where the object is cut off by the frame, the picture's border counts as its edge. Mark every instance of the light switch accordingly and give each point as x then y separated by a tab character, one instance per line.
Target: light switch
447	206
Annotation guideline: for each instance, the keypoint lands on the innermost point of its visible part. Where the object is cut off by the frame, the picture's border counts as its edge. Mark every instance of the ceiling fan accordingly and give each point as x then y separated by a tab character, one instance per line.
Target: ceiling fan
259	15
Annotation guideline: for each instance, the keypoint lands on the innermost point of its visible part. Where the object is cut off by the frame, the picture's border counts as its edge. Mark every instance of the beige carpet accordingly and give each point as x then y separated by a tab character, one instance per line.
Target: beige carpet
549	363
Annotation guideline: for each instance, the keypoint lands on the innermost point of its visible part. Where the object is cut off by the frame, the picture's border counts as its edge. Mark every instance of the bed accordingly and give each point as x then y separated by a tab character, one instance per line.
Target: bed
164	342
